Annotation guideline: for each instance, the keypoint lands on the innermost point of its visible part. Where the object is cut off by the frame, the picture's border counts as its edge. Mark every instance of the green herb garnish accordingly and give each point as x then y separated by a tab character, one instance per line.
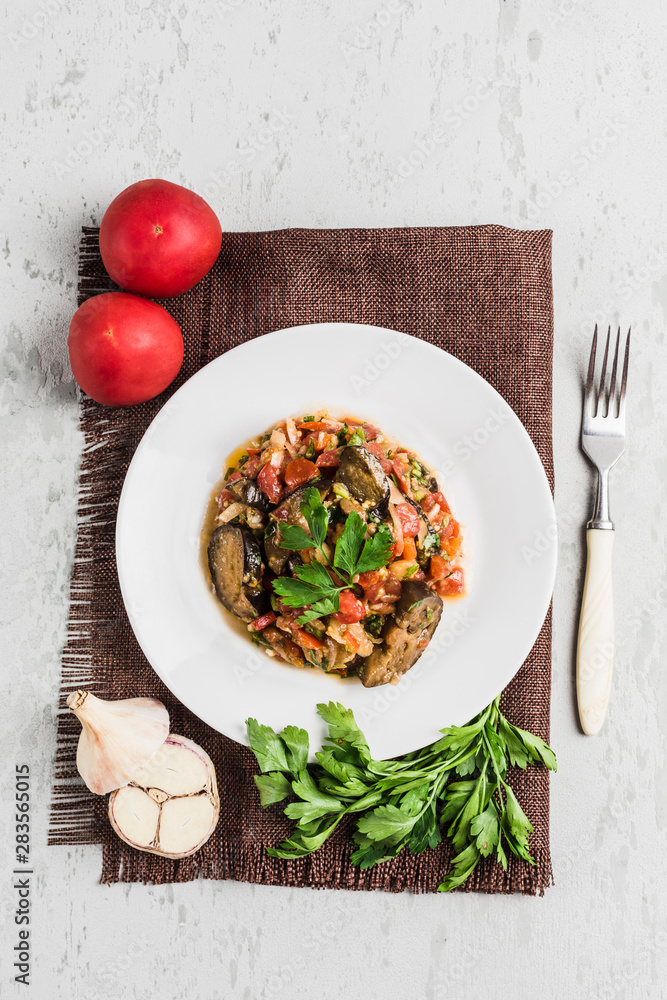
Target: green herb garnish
358	437
311	584
404	803
373	624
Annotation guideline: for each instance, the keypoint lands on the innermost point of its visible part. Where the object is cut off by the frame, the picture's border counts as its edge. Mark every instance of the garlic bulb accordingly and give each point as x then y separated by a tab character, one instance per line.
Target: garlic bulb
118	738
171	807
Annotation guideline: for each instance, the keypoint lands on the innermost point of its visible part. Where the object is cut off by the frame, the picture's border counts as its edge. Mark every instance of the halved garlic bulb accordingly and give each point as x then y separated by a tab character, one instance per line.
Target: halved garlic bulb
118	738
171	807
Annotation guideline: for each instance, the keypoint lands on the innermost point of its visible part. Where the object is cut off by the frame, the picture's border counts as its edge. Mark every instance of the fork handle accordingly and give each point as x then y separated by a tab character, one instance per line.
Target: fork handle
595	646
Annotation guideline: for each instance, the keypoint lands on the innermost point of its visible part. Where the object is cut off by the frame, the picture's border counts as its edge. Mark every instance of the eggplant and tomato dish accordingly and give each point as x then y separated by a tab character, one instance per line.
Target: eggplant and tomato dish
336	546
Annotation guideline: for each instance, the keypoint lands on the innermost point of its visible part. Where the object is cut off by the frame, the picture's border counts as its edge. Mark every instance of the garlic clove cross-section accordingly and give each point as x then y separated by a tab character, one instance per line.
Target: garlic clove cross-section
118	738
171	807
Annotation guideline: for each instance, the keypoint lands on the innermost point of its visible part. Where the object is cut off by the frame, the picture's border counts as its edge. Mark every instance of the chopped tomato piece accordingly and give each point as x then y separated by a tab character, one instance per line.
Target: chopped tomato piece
234	475
329	459
305	639
298	472
253	451
450	537
332	426
387	467
269	483
259	623
450	530
384	592
401	467
439	568
409	548
252	466
350	610
452	585
371	577
430	502
409	519
225	499
370	432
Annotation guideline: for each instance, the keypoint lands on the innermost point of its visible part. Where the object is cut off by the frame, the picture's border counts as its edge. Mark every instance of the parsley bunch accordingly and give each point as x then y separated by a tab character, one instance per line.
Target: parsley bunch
458	784
311	586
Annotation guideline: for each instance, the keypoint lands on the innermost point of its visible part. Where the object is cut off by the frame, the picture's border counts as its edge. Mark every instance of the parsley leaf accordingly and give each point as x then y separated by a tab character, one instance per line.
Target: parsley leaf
348	546
292	536
316	515
272	787
267	747
377	551
358	437
458	782
318	610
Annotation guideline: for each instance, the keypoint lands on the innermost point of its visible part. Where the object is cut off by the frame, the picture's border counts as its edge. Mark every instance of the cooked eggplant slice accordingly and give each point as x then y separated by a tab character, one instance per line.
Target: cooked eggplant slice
288	510
405	637
247	491
276	557
235	562
364	478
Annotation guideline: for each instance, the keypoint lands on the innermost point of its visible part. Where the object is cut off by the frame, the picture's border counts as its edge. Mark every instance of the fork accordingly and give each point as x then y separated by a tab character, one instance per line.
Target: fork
603	441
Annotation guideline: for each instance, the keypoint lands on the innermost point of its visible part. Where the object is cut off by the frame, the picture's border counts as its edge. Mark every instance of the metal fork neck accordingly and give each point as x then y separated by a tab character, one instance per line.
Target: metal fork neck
600	517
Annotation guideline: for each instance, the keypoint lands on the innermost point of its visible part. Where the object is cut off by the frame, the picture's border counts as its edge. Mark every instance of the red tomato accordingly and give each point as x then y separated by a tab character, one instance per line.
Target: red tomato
329	459
332	426
259	623
235	475
409	549
269	483
450	537
452	585
370	431
305	639
299	471
159	239
401	467
226	498
433	500
371	577
409	519
124	349
252	466
350	609
439	568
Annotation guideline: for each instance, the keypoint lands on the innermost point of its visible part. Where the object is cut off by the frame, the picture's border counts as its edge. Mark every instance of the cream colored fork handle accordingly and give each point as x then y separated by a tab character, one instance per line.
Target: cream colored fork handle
595	646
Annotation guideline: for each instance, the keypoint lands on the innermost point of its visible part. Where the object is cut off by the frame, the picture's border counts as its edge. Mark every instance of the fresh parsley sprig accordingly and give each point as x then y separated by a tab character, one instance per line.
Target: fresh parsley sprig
458	784
312	585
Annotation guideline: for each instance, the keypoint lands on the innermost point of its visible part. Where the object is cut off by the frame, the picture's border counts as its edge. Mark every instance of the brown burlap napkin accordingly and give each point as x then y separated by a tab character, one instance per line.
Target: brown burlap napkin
482	293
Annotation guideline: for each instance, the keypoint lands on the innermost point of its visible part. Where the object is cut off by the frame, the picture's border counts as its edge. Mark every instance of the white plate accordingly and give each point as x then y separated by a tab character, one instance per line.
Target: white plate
436	406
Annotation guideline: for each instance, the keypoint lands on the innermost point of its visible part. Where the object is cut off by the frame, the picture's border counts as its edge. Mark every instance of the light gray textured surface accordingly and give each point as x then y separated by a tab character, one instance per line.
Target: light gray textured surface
291	113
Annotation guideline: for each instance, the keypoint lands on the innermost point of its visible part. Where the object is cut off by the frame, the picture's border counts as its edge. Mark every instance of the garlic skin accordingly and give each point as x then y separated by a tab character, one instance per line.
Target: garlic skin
118	738
171	807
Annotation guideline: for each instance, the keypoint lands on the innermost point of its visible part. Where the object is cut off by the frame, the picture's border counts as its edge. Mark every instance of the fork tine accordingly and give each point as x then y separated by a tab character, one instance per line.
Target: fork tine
601	390
612	387
591	372
624	379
